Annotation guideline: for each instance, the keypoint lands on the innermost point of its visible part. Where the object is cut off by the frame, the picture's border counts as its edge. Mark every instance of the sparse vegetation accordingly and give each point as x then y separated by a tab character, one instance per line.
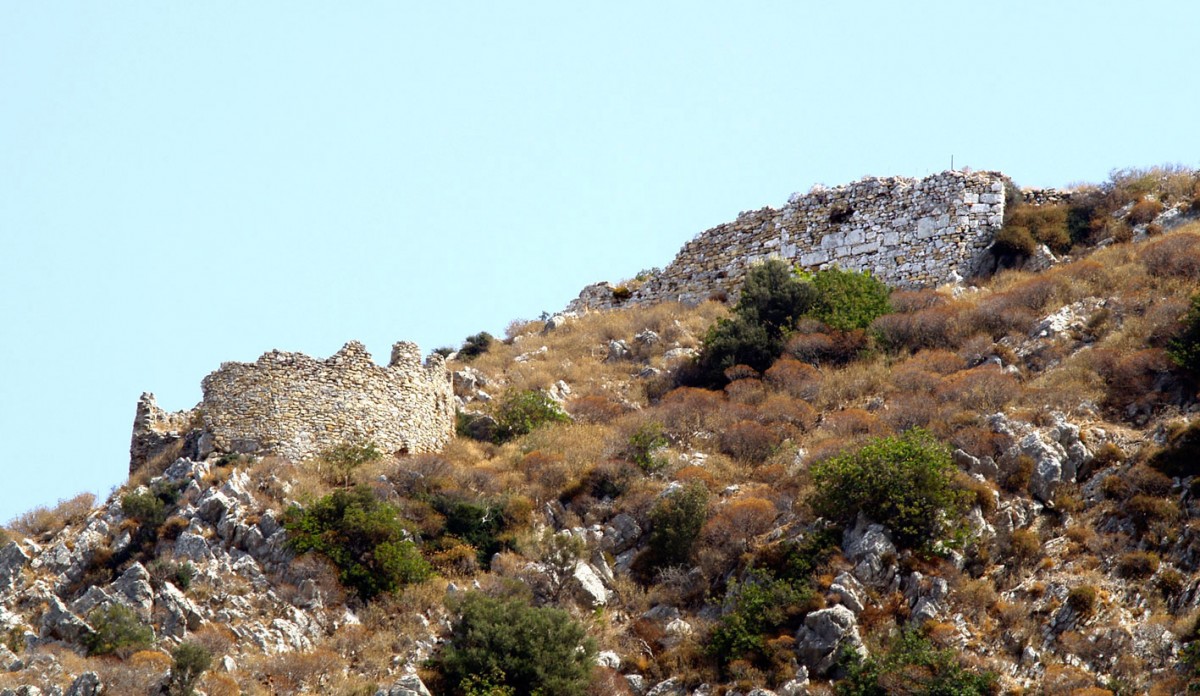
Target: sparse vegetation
117	630
520	412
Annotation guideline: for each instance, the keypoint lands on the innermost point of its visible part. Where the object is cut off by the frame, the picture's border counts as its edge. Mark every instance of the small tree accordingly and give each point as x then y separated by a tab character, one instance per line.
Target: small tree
906	482
507	644
677	519
190	660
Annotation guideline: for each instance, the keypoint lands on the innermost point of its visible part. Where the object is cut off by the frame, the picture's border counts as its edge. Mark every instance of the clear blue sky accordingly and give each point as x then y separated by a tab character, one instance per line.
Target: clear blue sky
187	183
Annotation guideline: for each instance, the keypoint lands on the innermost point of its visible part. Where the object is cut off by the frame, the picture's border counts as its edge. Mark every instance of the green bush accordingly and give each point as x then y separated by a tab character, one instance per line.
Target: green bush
912	665
773	300
475	346
363	536
906	482
755	610
644	446
1040	224
150	508
189	661
511	645
847	300
520	412
479	523
338	463
676	521
117	630
1184	348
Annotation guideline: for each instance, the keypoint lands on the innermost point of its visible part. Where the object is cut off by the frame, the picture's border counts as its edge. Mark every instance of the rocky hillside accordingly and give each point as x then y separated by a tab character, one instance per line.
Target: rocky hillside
983	488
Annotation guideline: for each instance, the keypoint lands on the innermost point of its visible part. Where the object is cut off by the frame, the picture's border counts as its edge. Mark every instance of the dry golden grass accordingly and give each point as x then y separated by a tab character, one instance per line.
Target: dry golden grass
42	522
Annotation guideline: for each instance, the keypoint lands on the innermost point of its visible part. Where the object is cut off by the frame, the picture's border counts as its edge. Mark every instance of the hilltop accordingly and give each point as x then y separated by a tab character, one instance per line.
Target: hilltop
978	480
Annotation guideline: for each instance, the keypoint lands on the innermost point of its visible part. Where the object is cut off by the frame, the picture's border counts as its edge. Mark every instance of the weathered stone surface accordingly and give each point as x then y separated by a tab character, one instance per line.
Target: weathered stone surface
86	684
60	623
588	586
869	547
908	232
133	590
295	406
825	633
408	685
12	560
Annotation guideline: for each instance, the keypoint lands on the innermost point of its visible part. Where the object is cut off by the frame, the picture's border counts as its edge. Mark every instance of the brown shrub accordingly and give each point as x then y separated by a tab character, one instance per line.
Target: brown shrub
827	348
797	378
748	441
1145	511
850	422
692	472
746	391
1144	211
42	521
728	532
1132	380
1175	255
1137	564
932	327
984	389
1024	547
782	408
909	301
688	410
1045	224
911	409
594	409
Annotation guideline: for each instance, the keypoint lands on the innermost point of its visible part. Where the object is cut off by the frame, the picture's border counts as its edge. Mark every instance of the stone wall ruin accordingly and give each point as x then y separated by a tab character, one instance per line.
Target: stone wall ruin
907	232
295	406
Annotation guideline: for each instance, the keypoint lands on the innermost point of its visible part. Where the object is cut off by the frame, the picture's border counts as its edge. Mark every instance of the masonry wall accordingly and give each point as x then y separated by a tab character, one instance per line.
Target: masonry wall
908	232
295	406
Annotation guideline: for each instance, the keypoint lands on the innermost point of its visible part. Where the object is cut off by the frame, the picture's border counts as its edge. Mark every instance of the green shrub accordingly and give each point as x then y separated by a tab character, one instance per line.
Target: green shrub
644	446
775	298
912	665
189	661
511	645
339	462
520	412
755	610
676	522
1014	240
847	300
475	346
734	341
117	630
479	523
1042	224
1184	348
150	508
363	536
906	482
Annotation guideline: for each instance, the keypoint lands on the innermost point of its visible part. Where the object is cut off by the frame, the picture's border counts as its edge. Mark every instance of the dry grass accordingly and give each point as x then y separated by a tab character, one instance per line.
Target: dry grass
43	523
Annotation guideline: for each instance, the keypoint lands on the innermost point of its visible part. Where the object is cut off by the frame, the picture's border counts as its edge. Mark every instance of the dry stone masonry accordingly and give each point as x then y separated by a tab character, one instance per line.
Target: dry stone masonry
295	406
908	232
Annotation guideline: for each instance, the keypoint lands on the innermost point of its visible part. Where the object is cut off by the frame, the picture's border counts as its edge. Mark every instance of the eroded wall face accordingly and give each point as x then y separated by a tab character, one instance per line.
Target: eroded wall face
909	233
294	406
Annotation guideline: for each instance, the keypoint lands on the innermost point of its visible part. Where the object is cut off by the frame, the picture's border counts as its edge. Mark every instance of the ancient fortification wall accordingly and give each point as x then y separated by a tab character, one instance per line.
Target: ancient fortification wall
908	232
294	406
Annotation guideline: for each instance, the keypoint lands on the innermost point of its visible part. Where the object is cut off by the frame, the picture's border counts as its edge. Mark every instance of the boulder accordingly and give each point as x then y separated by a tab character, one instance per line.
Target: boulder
618	350
13	560
823	637
669	687
175	612
587	585
1051	465
59	623
133	589
86	684
646	337
408	685
850	591
870	548
609	659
